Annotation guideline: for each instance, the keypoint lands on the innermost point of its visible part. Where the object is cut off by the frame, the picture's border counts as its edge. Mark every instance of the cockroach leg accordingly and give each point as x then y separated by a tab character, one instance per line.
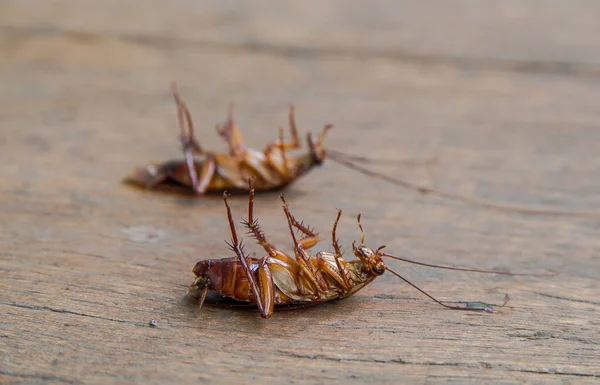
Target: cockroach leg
335	241
189	144
232	135
302	258
338	252
202	297
315	145
311	238
263	290
206	174
293	130
284	172
323	132
188	138
295	143
362	232
286	168
254	228
251	199
266	288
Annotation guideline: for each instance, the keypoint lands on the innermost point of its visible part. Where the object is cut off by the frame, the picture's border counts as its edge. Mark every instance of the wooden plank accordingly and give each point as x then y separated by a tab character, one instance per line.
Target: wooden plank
87	262
524	36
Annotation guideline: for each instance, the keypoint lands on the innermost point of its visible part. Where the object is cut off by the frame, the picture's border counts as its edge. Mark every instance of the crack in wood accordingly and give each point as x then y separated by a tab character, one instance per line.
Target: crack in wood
556	372
485	365
563	68
45	377
567	298
65	311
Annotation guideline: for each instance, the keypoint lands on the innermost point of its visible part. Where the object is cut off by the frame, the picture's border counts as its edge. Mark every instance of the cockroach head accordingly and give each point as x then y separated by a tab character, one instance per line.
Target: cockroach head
372	261
201	282
198	290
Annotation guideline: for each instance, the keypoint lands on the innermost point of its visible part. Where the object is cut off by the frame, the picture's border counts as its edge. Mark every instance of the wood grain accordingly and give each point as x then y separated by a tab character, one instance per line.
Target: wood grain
503	97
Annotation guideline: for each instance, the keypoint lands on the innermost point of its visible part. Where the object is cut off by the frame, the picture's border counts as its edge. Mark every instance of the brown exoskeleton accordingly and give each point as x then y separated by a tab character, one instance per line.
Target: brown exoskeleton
273	168
280	279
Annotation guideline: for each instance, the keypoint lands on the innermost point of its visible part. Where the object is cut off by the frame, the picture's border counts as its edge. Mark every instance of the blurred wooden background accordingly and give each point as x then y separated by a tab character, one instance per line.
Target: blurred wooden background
502	96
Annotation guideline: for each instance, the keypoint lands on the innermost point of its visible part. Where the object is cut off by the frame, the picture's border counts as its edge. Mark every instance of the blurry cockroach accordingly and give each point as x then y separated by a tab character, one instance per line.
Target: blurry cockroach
273	168
204	171
279	279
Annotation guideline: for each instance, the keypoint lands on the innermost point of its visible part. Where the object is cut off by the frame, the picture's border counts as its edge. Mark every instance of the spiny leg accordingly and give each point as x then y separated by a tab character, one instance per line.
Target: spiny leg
255	230
232	135
264	290
311	238
301	257
252	224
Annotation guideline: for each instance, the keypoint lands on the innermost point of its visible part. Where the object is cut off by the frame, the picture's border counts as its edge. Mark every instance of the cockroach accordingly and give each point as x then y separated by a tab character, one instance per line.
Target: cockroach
204	171
279	279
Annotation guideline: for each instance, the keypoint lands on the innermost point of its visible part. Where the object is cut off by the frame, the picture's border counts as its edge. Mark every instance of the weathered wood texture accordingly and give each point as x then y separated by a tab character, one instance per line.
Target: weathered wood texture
503	95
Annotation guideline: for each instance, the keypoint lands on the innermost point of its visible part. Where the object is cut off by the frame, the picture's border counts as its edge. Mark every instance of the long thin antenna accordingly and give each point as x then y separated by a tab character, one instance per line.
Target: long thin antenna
406	162
341	158
470	270
469	306
362	232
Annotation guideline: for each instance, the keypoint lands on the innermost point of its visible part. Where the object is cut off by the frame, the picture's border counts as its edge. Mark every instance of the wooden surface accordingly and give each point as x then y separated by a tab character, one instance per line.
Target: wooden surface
503	96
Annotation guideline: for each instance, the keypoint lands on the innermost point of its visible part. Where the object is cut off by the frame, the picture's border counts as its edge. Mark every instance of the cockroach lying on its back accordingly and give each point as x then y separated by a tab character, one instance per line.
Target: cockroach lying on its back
273	168
279	279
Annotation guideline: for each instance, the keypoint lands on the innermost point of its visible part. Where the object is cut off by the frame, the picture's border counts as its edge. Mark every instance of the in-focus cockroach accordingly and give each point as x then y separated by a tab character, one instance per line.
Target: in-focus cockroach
204	171
279	279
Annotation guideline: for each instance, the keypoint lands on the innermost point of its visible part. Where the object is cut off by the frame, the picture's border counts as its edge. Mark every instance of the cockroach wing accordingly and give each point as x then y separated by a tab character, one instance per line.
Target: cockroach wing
256	163
285	281
228	171
278	163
